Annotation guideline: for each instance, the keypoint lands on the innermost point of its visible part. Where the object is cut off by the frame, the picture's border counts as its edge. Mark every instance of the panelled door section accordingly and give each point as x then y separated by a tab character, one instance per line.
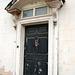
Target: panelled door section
36	50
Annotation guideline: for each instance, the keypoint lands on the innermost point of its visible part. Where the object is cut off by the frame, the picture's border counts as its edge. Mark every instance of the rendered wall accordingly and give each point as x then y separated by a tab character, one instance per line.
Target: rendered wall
66	24
7	38
67	38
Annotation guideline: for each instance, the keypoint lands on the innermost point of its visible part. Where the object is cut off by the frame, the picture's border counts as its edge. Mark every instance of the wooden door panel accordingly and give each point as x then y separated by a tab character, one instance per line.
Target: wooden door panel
43	45
31	30
30	48
36	50
29	68
42	68
43	29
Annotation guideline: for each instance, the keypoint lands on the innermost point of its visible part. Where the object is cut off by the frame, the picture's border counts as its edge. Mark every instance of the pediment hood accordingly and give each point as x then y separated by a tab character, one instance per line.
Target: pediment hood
15	6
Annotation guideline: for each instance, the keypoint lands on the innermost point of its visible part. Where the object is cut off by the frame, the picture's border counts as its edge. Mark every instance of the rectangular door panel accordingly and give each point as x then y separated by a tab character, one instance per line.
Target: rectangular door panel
42	68
29	67
30	48
43	45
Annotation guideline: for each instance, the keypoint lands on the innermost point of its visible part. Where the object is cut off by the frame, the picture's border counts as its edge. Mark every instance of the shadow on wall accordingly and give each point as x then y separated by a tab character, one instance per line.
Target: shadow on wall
63	1
2	71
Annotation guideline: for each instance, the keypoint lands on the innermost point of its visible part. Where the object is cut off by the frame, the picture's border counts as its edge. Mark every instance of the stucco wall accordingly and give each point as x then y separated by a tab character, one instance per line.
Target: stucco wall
7	38
66	24
67	38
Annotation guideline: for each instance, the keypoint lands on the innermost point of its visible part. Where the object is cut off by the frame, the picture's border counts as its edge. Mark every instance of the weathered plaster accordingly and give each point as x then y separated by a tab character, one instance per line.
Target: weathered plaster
2	71
7	38
67	38
66	22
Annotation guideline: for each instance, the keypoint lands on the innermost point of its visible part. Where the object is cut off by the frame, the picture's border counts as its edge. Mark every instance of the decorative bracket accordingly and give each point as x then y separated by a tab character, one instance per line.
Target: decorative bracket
55	15
15	19
15	12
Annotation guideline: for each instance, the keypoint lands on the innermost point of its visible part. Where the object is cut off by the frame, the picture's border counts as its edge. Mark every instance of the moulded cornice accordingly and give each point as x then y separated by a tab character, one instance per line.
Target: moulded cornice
15	6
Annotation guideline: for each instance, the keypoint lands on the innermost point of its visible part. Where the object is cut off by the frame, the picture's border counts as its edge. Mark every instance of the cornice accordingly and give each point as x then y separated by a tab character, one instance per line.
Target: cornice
14	6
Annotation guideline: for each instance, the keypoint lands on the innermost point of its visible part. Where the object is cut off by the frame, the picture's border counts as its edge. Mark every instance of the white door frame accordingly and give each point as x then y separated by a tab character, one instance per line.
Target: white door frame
52	46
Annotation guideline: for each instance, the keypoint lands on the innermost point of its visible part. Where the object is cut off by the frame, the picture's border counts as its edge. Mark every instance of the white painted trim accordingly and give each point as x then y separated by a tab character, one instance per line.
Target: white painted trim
22	49
55	52
14	59
18	49
50	47
20	42
35	20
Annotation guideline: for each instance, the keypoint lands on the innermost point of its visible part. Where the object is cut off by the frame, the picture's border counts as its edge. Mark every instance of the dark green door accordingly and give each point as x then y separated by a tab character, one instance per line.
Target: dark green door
36	50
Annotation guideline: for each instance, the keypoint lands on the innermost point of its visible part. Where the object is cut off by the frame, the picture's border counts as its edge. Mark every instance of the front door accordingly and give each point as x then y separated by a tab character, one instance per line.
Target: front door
36	50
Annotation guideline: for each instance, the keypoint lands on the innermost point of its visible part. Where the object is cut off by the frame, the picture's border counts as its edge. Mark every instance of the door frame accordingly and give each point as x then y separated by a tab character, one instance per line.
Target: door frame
52	43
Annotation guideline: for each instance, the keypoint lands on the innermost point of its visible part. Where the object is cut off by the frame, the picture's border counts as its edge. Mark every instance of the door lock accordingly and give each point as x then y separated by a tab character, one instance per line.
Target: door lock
36	43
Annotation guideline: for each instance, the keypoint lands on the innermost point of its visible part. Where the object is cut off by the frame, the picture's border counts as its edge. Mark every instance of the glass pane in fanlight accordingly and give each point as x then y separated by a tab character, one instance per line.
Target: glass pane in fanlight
28	13
41	11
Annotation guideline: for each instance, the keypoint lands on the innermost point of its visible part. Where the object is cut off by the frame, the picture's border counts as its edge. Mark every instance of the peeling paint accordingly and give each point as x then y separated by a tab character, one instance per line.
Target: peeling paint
2	71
